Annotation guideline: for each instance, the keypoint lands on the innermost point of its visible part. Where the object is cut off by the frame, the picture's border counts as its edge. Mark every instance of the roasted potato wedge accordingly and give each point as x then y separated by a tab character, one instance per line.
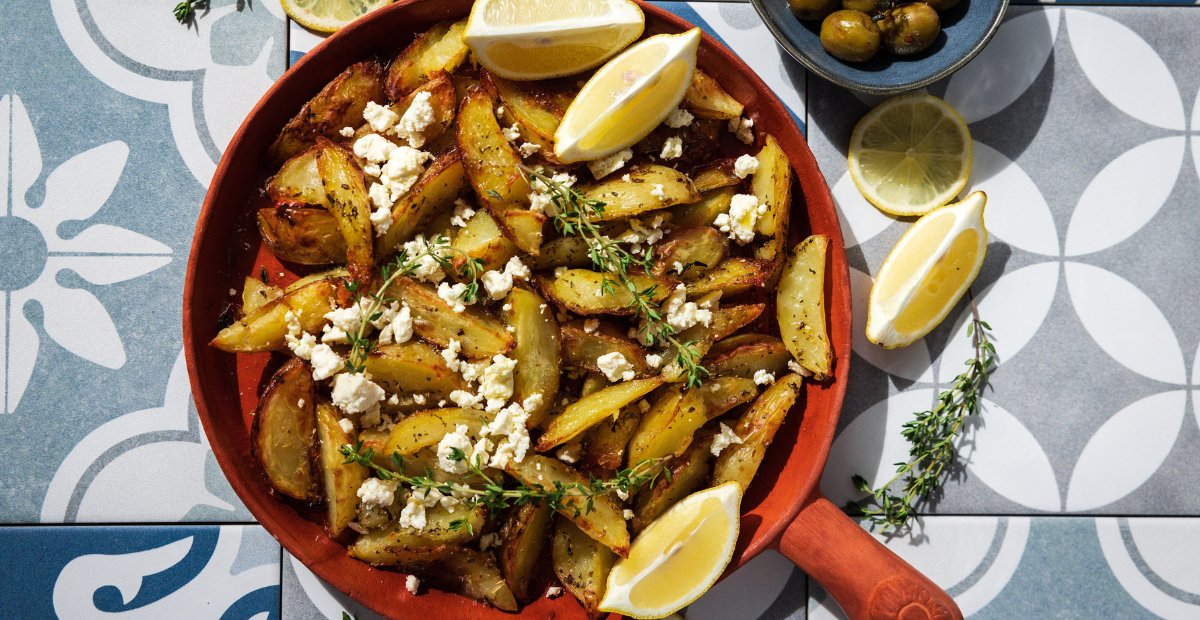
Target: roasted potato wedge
407	548
340	104
696	250
731	277
724	393
341	479
623	198
704	211
438	49
265	328
668	427
730	319
706	99
800	307
745	354
432	195
605	444
302	235
689	472
298	182
493	167
425	429
582	291
591	409
539	364
725	321
480	334
348	202
603	522
534	108
442	99
715	175
581	348
256	294
413	367
482	239
522	543
581	564
283	433
474	574
772	185
562	252
757	428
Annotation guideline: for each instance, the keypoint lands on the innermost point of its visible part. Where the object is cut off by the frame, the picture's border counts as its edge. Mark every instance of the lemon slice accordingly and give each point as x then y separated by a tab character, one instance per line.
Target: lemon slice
329	15
910	154
628	97
678	557
538	39
927	273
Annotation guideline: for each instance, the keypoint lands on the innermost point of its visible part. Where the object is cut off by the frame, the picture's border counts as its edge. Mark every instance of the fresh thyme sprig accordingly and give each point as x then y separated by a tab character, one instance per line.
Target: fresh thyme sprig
492	493
185	11
361	344
575	215
931	437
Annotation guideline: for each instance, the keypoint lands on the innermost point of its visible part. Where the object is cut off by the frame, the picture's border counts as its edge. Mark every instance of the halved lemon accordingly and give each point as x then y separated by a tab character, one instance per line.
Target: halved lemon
628	97
329	15
538	39
911	154
678	557
928	271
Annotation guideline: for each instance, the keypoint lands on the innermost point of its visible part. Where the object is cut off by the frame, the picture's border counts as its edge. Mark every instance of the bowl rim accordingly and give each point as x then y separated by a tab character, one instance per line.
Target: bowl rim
783	41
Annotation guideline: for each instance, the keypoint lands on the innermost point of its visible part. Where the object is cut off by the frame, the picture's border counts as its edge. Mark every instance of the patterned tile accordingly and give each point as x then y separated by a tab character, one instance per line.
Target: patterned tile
197	572
1080	120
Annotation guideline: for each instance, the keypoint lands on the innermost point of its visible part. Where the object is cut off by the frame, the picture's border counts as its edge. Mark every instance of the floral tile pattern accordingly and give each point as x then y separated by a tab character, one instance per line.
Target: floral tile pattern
1076	499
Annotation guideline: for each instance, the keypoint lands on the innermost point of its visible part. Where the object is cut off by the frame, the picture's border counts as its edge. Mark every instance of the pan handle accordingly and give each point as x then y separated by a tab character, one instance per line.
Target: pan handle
863	576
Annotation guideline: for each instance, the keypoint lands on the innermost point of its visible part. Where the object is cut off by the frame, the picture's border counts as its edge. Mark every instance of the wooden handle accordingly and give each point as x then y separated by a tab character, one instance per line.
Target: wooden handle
863	576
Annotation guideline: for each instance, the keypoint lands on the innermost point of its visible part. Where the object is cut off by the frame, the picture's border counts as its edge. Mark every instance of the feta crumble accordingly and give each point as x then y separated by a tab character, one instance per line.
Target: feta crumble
607	165
798	369
615	367
404	166
379	117
415	120
496	384
627	178
325	362
679	117
672	148
379	493
739	221
591	325
346	424
499	283
658	192
381	218
745	166
553	592
763	377
724	439
569	453
411	583
453	295
399	328
354	393
450	442
654	360
300	342
347	132
742	129
462	213
342	323
528	148
627	513
374	148
489	540
682	314
427	267
509	426
512	134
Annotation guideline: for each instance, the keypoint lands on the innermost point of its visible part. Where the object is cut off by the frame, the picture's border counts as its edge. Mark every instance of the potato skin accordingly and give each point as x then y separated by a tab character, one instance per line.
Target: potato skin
283	434
581	564
301	235
523	543
339	104
757	427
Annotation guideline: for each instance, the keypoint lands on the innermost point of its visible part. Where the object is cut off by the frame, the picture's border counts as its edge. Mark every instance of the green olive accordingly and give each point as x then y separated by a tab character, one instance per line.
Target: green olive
910	28
850	36
866	6
942	5
813	9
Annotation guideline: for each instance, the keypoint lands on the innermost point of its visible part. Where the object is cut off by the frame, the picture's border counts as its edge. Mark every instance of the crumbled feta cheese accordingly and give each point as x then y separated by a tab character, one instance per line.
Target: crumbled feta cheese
512	134
411	583
376	492
342	323
682	314
404	166
394	399
450	355
764	377
347	132
621	494
528	148
607	165
745	166
399	327
381	219
654	360
325	362
553	592
354	393
627	513
658	192
679	117
453	295
427	267
640	232
615	366
743	129
627	178
300	342
672	148
458	440
724	439
540	202
300	403
516	268
371	170
496	384
413	514
415	120
542	309
462	213
499	283
489	540
379	117
374	148
591	325
569	453
798	369
509	426
465	399
739	221
346	424
644	405
499	110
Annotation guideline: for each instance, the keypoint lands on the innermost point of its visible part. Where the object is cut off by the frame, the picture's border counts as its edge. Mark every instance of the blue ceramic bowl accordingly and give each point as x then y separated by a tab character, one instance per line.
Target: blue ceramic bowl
966	28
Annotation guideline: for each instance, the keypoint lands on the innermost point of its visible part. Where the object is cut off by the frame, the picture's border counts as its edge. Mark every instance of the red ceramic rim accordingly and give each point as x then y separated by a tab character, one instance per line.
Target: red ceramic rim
225	387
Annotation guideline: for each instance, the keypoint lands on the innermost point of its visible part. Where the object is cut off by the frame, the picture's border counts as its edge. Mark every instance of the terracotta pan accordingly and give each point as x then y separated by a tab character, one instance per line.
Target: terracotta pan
783	509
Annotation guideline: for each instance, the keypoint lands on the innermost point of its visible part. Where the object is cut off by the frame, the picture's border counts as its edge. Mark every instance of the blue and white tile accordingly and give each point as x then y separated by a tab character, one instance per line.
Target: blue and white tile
202	572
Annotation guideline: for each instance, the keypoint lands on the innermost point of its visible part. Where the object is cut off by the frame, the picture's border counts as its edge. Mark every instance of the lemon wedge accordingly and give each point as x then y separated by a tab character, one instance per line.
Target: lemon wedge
628	97
329	15
910	154
927	272
678	557
538	39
